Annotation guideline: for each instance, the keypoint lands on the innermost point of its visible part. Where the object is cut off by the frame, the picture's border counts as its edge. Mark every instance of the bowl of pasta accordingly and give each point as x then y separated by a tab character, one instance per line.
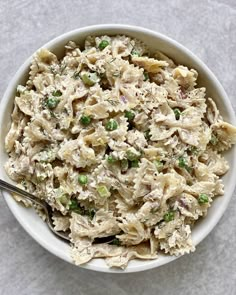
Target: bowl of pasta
128	137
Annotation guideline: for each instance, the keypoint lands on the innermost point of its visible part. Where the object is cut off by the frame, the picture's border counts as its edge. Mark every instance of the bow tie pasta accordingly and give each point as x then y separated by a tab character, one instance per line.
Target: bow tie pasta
122	144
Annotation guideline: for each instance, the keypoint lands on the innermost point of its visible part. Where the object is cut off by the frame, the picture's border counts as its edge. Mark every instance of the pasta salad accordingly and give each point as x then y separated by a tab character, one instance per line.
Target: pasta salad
122	144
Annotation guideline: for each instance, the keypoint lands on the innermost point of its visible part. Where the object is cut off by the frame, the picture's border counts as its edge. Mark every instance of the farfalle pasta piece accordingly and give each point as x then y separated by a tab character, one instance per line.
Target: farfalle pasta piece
216	163
161	56
151	65
201	187
97	138
225	135
61	223
134	231
185	77
84	252
175	237
102	225
213	114
189	206
17	126
42	61
140	188
78	153
136	139
141	251
26	102
152	211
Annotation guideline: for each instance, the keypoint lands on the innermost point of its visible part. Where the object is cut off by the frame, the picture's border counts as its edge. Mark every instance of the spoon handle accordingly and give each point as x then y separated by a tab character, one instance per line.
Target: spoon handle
11	188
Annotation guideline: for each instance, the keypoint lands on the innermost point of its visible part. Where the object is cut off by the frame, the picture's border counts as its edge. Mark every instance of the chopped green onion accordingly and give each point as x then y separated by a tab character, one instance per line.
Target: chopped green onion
90	79
133	155
57	93
145	76
83	179
103	191
169	216
115	242
129	115
147	134
159	165
202	199
111	125
214	140
111	159
64	199
177	113
52	102
134	164
103	44
85	120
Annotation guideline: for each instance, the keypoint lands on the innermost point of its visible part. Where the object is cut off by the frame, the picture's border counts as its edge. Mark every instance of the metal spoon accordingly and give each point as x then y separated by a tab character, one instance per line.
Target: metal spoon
48	211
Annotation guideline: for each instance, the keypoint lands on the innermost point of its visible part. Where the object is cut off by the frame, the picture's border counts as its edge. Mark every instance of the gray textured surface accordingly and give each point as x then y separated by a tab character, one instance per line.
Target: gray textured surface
208	28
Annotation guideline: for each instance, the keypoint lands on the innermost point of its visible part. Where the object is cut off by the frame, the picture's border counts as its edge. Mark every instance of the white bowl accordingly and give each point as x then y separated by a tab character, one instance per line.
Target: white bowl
29	219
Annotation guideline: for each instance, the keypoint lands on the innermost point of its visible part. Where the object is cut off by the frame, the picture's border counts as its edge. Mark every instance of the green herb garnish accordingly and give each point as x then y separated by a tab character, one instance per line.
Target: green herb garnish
57	93
76	75
169	216
147	134
113	102
91	213
75	207
177	113
135	53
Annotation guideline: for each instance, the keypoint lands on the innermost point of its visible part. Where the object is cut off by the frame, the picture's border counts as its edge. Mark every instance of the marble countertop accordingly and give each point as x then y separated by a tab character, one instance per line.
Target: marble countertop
208	28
